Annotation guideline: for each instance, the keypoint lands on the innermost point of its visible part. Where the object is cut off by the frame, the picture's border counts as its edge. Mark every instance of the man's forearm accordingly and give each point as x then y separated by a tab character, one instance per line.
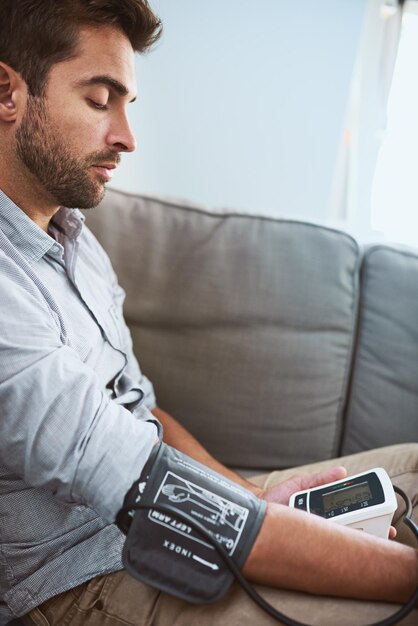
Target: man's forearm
296	550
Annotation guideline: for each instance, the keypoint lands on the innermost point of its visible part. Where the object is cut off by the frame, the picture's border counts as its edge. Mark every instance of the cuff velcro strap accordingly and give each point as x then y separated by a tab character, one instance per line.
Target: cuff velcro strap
184	508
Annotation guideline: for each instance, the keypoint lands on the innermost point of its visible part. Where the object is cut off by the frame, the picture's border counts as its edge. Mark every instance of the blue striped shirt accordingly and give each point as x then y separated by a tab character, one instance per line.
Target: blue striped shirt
75	421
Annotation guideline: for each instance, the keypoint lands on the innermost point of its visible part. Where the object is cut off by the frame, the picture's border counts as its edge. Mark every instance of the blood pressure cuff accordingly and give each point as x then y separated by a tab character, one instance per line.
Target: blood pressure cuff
164	549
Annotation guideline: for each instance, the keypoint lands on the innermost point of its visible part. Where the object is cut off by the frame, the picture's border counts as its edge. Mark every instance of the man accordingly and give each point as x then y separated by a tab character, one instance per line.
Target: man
78	418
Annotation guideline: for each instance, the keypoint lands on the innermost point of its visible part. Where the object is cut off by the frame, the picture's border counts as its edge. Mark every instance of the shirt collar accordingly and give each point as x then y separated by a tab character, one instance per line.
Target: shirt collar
31	241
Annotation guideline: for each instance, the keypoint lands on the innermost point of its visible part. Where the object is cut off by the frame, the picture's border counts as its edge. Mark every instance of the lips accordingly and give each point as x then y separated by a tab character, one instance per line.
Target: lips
105	170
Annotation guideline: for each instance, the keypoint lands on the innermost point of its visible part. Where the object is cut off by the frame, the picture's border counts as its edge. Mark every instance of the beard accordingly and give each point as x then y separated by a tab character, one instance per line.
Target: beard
64	175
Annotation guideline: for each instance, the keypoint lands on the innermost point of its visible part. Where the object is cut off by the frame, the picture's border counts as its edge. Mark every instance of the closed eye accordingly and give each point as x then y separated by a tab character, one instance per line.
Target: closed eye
97	105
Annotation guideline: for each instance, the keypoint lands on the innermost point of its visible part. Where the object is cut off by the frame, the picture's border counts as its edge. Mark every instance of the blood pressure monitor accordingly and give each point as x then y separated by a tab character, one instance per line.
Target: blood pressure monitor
366	501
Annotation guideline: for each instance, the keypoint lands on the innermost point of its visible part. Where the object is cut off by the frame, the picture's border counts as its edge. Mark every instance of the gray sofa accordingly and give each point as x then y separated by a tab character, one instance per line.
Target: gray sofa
275	342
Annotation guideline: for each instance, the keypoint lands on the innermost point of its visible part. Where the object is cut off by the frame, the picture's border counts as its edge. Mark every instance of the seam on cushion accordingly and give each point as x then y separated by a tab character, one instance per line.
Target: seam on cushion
350	358
230	214
364	277
391	249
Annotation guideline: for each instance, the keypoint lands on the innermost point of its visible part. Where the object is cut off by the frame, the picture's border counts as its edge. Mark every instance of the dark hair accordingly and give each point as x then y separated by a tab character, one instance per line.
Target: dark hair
36	34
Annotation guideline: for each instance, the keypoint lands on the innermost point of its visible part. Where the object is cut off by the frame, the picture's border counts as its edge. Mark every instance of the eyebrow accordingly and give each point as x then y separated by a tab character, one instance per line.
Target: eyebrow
108	81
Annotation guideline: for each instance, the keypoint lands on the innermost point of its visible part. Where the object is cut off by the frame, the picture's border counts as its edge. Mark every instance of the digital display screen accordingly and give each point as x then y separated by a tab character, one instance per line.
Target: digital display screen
346	497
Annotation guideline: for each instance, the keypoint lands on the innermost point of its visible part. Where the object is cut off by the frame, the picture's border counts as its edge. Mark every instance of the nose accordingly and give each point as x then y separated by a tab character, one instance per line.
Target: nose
120	135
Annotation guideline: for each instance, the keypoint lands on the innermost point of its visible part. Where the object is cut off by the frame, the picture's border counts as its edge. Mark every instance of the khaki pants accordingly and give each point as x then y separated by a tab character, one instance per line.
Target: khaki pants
117	599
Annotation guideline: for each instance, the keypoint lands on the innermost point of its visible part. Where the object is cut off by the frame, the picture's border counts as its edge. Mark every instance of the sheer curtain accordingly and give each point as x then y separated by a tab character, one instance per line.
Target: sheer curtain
366	117
394	196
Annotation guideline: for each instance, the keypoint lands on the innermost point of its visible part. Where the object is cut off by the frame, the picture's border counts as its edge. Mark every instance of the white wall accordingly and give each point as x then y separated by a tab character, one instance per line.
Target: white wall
242	103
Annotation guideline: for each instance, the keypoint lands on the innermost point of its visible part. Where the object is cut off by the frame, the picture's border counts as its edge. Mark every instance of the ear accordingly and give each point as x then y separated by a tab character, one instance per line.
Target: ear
11	92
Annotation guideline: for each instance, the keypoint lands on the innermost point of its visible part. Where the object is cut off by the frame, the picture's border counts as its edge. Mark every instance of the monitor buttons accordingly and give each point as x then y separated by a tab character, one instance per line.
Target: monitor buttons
300	501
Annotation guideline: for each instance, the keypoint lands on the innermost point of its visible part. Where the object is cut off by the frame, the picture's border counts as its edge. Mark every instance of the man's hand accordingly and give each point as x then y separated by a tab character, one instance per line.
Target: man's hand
281	493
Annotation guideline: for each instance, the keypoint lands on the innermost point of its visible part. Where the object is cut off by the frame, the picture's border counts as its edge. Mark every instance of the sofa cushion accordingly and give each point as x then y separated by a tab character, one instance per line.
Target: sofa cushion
383	407
243	323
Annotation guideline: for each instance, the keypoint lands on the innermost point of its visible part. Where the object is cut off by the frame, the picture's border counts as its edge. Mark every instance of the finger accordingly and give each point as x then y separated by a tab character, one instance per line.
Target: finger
329	475
392	532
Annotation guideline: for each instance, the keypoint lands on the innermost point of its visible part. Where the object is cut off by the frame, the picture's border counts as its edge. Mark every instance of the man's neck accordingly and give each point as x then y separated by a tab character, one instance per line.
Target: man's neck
28	197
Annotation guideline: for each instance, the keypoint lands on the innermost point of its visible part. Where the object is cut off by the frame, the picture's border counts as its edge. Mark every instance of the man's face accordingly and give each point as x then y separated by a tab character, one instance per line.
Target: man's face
72	137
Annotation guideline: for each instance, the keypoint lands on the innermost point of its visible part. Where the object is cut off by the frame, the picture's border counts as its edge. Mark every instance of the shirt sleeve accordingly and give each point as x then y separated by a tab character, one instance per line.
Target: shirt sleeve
58	429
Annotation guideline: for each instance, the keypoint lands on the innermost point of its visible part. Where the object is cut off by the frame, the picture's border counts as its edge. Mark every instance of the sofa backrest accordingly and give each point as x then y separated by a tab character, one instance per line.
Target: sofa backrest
383	404
244	324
